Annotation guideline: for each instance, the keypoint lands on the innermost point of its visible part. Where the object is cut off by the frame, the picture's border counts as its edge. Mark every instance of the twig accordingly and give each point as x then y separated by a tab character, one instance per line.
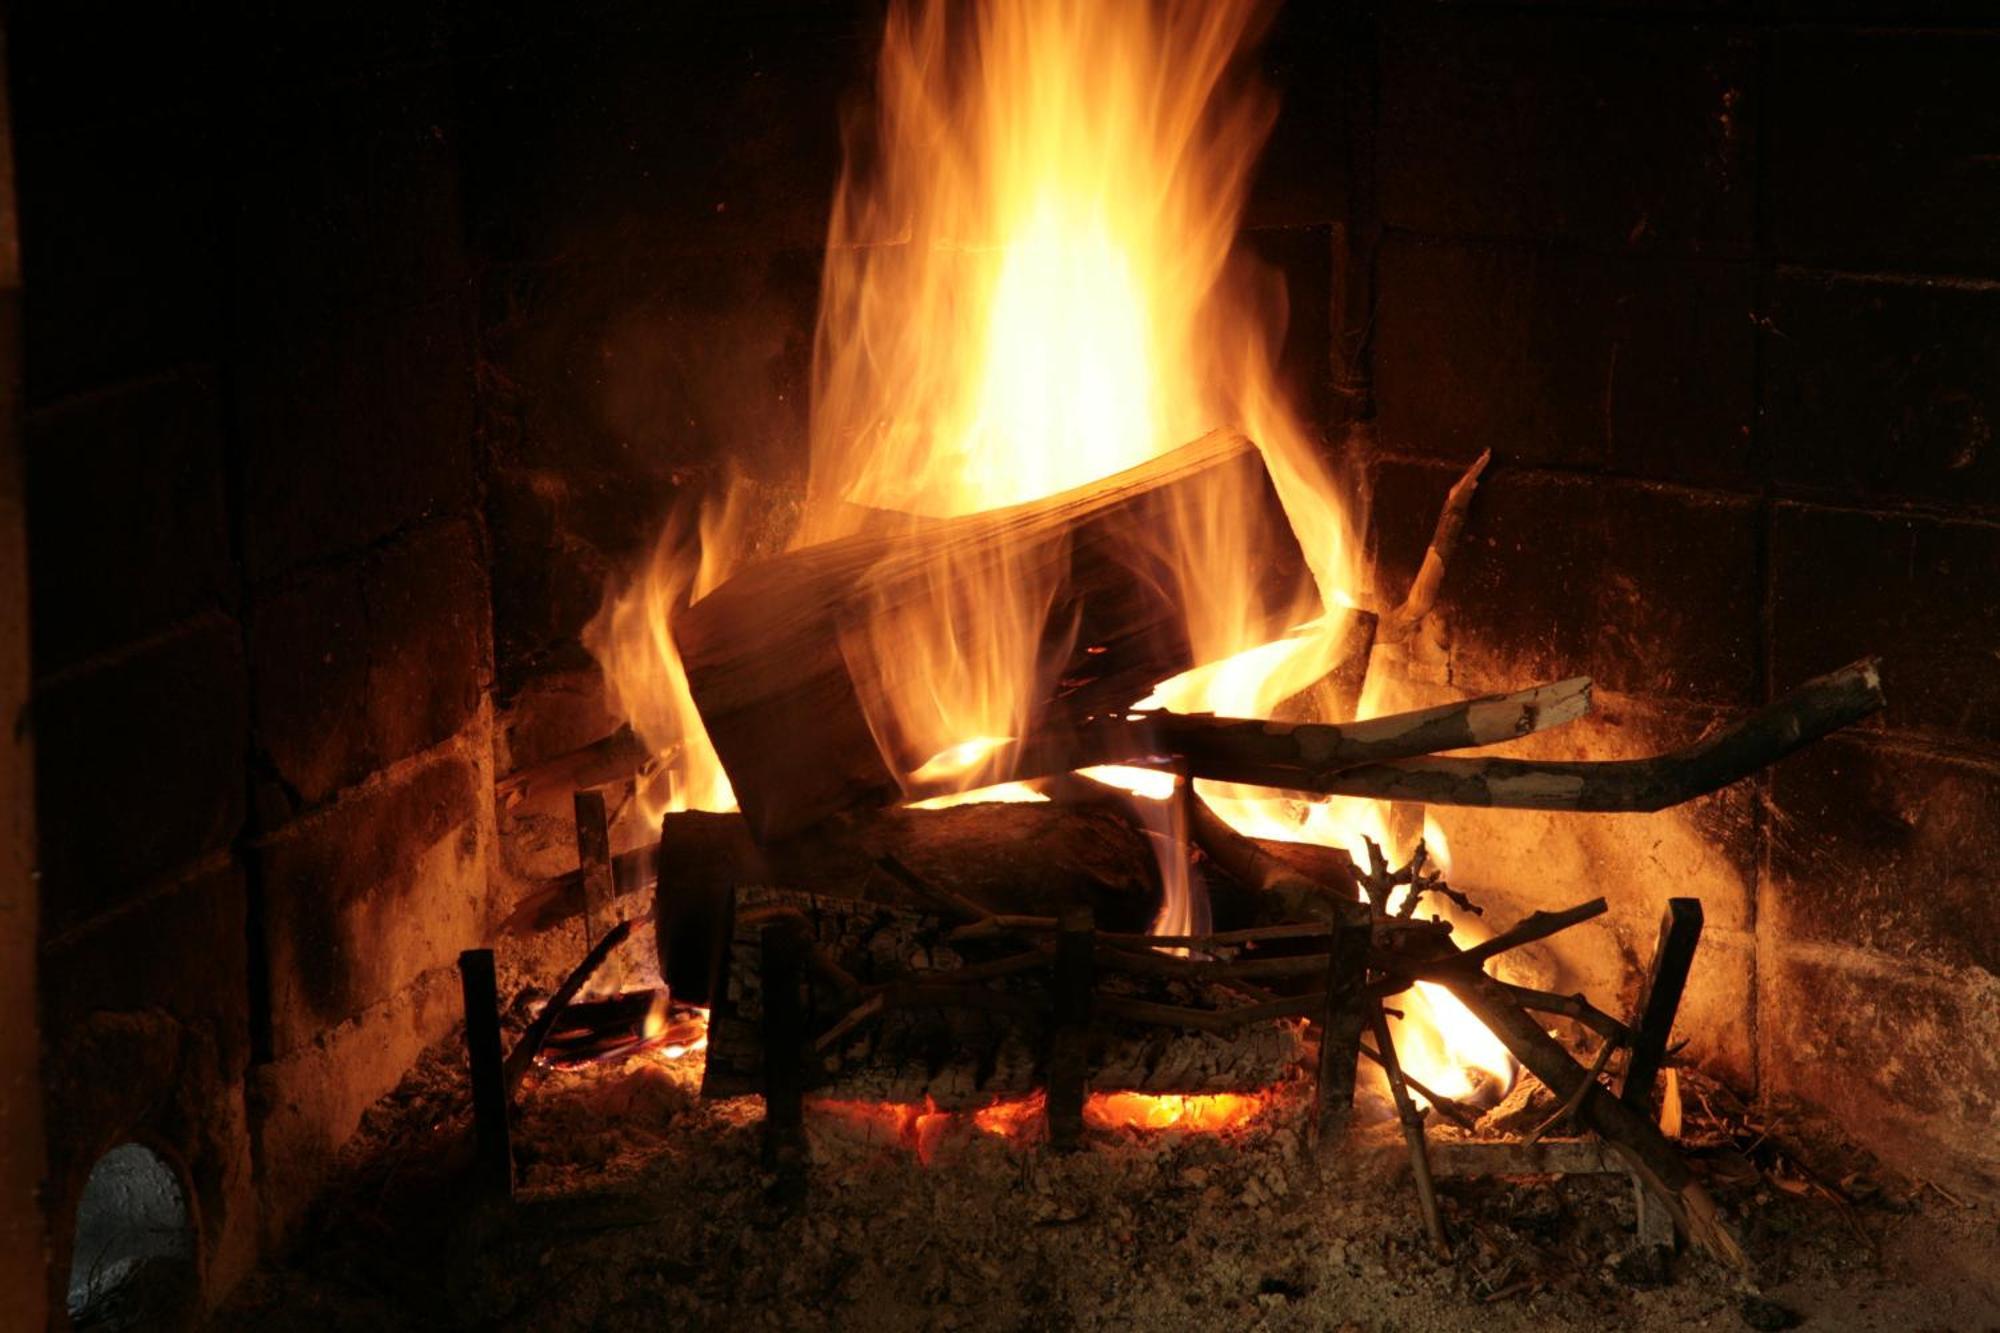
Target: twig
1643	785
523	1055
1444	540
1575	1099
1413	1134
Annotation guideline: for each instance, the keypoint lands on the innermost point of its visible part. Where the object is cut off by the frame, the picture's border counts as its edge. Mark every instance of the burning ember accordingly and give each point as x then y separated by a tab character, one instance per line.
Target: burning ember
921	1129
1031	285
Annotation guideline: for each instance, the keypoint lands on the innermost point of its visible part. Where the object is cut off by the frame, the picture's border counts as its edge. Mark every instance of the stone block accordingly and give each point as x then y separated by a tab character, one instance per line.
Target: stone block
1916	591
1908	1058
139	767
120	260
145	1014
1888	849
351	433
1610	133
359	899
675	136
307	1104
1880	152
1642	365
1884	388
1651	590
365	662
127	529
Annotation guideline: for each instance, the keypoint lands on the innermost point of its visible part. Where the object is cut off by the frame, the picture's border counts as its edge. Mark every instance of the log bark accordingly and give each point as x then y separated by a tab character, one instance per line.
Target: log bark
1641	785
1249	750
918	1032
790	682
1024	859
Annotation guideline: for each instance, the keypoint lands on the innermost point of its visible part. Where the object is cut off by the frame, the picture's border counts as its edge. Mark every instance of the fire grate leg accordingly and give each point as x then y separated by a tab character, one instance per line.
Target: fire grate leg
1340	1027
493	1149
1660	1000
1069	1037
783	944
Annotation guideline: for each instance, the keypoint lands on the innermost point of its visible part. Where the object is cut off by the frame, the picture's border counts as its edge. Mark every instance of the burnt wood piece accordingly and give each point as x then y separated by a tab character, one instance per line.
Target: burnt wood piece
522	1057
786	668
1660	1000
1814	709
493	1150
1069	1041
1342	1014
593	857
1227	749
1442	962
1413	1134
550	902
1010	859
1638	1142
783	944
920	1029
544	787
1423	592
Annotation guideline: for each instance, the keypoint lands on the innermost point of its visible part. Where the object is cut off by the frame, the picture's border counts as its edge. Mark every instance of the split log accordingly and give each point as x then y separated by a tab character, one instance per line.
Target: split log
790	681
1012	859
1249	750
1642	785
919	1034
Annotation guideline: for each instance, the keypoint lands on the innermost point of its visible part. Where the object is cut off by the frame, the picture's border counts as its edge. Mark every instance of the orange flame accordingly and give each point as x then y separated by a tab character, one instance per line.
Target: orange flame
1032	282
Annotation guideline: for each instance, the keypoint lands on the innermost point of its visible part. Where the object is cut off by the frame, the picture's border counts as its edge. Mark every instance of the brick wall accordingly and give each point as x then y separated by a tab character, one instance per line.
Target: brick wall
258	563
1715	283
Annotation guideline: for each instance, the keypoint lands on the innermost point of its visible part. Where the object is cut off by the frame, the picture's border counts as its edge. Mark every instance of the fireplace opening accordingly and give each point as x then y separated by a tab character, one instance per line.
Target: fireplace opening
976	663
133	1262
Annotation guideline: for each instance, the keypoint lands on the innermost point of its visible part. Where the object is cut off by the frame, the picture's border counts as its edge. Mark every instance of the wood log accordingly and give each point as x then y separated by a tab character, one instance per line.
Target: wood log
790	682
1643	785
1009	859
1660	1000
1248	750
961	1045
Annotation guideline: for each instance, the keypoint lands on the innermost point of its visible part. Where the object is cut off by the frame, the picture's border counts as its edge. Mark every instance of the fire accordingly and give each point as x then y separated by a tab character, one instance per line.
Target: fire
922	1129
1032	282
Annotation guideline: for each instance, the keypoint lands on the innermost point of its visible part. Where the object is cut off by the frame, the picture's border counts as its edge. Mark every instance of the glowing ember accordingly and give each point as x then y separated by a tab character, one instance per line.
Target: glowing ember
920	1129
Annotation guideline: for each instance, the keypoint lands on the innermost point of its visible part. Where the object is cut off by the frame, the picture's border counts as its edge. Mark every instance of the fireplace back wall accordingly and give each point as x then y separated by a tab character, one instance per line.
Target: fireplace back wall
399	333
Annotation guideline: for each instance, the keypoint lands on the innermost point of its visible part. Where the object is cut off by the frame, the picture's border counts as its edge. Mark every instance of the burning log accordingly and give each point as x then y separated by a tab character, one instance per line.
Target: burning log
938	1021
791	686
1225	748
1801	717
1004	859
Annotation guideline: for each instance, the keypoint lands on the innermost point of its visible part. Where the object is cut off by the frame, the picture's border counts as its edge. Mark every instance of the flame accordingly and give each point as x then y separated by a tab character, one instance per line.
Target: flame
1032	282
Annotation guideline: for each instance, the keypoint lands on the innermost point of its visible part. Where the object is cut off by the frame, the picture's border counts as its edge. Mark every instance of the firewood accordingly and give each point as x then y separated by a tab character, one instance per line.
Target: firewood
1243	749
920	1034
787	676
1444	541
1013	859
1801	717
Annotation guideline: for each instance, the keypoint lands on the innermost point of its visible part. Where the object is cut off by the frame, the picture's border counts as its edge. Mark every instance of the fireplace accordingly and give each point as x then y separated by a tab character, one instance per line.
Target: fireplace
381	385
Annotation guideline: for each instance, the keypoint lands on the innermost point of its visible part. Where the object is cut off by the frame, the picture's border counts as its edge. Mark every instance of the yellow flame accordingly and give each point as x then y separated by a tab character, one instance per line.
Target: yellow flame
1032	282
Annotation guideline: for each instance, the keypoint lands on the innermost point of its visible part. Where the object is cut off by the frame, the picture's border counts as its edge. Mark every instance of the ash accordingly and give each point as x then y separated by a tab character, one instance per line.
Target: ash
643	1206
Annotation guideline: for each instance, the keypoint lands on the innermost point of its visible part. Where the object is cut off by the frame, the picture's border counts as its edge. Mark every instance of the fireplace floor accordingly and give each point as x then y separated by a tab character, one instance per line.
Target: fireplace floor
643	1206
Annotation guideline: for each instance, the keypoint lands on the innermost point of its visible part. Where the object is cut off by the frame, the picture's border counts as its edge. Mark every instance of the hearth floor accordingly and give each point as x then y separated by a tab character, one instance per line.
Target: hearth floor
643	1207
